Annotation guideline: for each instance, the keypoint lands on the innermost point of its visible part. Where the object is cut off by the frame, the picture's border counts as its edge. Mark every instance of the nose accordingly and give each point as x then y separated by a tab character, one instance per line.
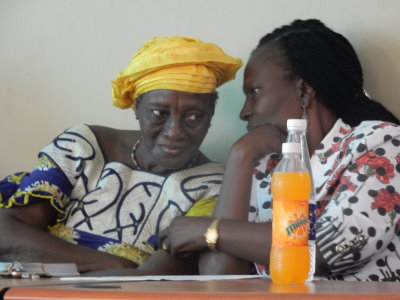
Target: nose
173	129
245	112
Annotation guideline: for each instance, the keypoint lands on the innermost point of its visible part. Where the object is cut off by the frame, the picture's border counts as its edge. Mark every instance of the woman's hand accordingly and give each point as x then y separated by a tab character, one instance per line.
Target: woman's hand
185	235
233	201
260	141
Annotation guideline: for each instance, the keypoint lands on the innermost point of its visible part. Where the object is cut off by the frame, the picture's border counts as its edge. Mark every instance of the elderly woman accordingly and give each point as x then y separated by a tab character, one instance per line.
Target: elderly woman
98	196
306	69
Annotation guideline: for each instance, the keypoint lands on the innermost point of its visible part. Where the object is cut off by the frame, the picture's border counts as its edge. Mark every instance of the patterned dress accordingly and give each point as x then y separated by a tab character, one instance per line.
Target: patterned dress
356	172
107	206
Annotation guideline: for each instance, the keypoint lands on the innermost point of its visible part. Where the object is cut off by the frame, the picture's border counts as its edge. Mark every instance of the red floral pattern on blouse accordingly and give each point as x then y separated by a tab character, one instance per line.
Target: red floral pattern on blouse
379	165
385	124
386	200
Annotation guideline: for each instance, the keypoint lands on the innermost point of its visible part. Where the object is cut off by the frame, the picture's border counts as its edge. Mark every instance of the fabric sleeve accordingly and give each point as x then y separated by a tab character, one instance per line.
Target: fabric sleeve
202	208
77	153
60	165
45	182
362	216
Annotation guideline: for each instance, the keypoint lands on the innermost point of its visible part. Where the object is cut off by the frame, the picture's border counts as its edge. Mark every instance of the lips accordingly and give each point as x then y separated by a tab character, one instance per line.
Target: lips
173	150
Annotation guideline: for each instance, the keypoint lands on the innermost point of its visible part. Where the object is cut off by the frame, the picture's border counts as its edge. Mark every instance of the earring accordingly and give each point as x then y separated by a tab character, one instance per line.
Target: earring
304	115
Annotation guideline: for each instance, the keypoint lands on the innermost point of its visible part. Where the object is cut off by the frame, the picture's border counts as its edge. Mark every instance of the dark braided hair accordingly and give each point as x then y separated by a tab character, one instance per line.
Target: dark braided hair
328	63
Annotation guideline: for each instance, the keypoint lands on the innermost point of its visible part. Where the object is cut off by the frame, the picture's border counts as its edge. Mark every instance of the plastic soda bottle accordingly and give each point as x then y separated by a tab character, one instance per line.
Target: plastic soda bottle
297	129
290	186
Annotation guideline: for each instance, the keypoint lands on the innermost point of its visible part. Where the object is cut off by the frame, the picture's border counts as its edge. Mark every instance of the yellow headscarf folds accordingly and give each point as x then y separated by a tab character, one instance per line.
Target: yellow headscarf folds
174	63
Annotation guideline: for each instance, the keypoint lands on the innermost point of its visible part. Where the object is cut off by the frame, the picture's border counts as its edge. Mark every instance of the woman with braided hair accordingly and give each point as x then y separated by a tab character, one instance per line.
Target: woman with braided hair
305	69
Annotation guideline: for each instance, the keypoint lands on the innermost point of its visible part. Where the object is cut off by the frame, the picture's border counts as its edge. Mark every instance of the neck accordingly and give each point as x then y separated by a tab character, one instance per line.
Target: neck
141	163
321	121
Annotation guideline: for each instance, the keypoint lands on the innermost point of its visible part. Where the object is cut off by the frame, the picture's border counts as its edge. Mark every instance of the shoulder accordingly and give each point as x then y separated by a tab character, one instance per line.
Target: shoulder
370	128
375	151
74	139
115	143
74	151
108	134
370	135
117	137
344	145
79	129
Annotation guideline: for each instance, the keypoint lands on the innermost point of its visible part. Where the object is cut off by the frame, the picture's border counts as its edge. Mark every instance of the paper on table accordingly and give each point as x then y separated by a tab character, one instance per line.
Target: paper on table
40	269
158	278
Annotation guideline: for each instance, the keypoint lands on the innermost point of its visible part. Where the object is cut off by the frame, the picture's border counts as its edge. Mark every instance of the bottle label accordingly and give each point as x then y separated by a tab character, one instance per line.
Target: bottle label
290	223
312	217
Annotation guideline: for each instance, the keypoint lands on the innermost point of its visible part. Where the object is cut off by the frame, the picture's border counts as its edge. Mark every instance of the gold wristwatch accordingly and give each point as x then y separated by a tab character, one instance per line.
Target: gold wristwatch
211	235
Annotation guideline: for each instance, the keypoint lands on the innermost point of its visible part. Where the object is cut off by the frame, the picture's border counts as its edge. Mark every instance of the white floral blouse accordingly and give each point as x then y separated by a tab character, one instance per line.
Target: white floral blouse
356	173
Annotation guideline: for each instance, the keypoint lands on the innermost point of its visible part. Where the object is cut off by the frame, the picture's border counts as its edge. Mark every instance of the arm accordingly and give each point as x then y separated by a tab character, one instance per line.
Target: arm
235	242
233	204
160	263
252	247
32	203
237	247
240	242
367	210
23	237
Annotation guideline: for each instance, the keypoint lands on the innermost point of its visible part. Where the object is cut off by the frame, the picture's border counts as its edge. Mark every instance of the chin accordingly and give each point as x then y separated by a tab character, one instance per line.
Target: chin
176	165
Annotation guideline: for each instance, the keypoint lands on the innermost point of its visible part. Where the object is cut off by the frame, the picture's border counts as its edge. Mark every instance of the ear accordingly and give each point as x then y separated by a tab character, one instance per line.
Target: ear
136	113
306	92
135	109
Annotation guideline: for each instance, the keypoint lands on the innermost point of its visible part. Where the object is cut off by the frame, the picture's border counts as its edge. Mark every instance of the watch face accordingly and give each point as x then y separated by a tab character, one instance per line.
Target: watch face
212	235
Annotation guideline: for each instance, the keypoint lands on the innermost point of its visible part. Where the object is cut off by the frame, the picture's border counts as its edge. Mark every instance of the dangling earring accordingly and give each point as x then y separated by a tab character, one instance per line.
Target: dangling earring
304	115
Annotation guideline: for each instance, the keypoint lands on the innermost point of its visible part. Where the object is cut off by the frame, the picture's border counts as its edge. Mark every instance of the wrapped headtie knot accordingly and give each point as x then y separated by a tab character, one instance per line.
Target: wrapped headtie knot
175	63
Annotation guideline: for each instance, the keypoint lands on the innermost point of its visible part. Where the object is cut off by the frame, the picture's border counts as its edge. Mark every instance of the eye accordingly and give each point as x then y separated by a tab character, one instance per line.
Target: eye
251	90
194	117
159	113
254	91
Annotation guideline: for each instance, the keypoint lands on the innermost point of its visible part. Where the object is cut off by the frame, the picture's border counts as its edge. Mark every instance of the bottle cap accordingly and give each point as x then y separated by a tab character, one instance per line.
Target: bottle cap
291	148
296	124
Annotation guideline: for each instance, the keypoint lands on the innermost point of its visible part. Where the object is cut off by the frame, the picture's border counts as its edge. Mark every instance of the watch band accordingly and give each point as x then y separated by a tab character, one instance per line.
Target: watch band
211	235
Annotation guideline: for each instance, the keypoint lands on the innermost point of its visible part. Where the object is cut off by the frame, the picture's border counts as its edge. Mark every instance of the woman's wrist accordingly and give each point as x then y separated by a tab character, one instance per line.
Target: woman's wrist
248	154
241	155
211	235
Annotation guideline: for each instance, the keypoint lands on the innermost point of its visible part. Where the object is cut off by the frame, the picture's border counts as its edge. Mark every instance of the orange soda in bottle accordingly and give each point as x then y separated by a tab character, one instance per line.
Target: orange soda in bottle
290	187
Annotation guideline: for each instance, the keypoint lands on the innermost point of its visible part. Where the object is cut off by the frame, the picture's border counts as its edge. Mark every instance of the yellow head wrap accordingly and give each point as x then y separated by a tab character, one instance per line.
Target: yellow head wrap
174	63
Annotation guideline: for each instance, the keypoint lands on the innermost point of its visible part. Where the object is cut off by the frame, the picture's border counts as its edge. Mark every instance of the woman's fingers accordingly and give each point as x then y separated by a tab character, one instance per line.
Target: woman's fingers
163	240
